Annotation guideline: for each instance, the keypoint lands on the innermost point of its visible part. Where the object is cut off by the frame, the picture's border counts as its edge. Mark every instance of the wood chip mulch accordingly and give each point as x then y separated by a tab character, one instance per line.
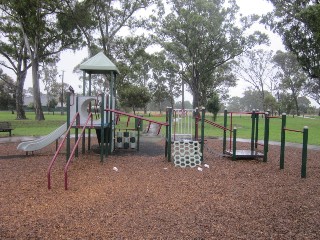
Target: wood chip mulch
149	198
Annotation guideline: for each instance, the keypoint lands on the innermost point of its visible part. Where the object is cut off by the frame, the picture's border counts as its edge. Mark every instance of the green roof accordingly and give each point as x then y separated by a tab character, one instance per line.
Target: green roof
99	64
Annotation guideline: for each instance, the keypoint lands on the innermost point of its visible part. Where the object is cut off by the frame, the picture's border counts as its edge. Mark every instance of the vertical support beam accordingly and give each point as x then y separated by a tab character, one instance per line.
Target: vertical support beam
266	137
68	125
89	130
196	129
304	153
203	113
234	144
169	133
76	129
111	113
225	120
102	129
257	131
84	84
283	139
253	118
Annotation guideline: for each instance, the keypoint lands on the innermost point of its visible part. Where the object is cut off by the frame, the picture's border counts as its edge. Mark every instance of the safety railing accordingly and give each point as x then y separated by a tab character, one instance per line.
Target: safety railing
76	116
74	150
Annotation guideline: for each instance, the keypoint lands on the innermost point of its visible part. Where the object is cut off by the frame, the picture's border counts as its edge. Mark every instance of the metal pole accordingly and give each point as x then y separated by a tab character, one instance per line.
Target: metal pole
283	140
62	76
304	153
234	145
203	111
102	129
225	119
169	133
68	125
266	136
76	129
257	130
253	118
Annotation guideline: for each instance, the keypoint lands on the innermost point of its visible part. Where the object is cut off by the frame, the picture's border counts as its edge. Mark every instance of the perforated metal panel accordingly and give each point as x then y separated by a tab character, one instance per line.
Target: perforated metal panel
186	153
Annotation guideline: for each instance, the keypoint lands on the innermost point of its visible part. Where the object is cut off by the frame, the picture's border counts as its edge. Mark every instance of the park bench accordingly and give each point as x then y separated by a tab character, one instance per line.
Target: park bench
5	127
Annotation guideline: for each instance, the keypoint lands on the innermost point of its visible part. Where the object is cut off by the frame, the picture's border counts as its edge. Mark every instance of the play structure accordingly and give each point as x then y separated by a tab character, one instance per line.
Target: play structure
183	141
231	150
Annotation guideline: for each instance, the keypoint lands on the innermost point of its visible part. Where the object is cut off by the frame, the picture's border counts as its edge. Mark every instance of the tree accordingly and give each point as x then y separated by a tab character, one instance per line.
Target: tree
256	68
133	96
48	75
251	100
234	104
290	74
304	104
7	92
14	52
165	78
213	106
43	35
297	22
201	36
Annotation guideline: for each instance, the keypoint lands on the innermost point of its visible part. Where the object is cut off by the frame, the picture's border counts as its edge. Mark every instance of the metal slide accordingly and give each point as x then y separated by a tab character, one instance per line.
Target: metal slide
40	143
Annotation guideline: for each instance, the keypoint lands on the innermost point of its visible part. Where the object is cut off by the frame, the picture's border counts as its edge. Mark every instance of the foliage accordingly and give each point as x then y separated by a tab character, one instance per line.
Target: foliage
213	105
297	22
201	36
7	92
43	37
133	96
291	75
256	68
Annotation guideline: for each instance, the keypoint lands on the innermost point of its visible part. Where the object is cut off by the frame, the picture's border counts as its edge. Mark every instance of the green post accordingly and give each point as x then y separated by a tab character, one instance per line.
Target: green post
102	129
169	133
84	84
304	153
76	129
68	125
138	140
203	113
234	144
225	120
253	118
111	113
257	130
196	127
266	137
283	139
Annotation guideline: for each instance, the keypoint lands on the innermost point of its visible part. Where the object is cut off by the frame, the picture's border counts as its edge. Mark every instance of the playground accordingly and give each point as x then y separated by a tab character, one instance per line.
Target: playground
156	179
149	198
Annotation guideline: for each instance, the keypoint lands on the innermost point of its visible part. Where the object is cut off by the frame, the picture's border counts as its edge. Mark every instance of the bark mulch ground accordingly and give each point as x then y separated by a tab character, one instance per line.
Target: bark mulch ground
149	198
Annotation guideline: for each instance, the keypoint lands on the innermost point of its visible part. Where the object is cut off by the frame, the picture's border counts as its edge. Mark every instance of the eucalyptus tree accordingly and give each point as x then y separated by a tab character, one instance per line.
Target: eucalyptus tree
7	92
201	36
256	68
291	75
166	81
43	35
15	57
297	22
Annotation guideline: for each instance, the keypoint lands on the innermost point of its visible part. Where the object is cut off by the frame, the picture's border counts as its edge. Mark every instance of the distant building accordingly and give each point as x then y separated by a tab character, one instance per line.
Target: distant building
44	101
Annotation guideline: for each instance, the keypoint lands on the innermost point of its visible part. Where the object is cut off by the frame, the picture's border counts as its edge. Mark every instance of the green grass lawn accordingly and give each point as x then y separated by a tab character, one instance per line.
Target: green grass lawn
30	127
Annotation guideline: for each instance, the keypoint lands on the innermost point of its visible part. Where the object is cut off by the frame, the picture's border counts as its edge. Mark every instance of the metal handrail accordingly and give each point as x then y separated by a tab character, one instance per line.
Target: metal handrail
138	117
58	150
74	150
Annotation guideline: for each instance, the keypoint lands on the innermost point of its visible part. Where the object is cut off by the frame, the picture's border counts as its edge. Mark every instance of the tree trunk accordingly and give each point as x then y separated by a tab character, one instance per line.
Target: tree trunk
19	98
36	91
182	100
297	106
